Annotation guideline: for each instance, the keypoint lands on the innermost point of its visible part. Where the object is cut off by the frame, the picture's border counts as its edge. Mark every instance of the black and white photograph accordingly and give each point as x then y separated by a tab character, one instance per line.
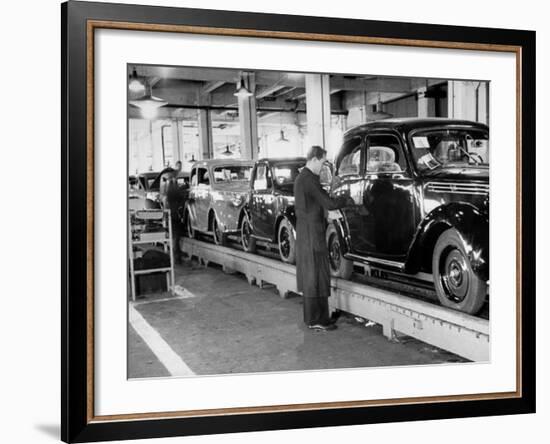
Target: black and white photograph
286	221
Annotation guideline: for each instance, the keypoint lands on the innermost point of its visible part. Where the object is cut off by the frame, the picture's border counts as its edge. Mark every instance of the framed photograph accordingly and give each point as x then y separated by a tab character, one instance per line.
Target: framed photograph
275	221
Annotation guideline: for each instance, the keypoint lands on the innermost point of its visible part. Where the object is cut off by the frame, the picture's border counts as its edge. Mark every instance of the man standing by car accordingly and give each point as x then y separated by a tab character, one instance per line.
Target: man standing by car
312	259
172	199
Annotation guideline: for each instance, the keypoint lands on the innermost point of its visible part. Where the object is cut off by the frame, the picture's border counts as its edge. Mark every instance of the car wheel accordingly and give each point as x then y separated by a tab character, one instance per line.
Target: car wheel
287	242
219	236
189	226
456	284
247	241
339	265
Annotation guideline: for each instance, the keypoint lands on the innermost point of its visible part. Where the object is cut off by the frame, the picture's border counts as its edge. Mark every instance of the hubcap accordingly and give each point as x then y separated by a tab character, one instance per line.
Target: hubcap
455	277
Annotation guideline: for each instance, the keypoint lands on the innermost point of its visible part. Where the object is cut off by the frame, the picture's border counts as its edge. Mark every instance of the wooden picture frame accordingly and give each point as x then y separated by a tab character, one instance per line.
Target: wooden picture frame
79	22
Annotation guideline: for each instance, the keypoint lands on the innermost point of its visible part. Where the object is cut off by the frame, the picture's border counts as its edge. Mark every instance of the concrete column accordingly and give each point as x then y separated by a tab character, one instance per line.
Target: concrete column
156	153
318	109
422	102
177	141
248	120
206	145
468	100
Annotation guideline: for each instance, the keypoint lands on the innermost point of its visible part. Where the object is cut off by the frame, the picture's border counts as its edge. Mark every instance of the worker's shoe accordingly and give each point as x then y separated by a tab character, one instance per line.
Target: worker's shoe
321	327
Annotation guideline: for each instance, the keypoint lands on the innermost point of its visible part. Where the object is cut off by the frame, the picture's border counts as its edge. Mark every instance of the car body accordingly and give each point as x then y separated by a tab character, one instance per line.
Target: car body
217	193
419	202
269	215
143	190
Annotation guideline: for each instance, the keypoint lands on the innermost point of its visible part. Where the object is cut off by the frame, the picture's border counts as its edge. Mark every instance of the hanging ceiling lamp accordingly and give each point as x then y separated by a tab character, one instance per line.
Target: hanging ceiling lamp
242	91
378	114
227	151
282	137
149	104
134	83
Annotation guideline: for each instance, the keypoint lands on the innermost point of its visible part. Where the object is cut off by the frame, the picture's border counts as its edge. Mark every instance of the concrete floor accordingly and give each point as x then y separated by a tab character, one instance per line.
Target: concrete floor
223	325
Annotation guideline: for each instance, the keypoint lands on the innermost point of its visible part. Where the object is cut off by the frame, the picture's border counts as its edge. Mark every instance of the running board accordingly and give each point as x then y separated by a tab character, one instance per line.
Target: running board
450	330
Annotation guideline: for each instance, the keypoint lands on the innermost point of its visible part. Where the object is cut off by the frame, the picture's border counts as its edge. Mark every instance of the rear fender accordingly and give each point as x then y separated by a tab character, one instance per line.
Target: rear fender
471	224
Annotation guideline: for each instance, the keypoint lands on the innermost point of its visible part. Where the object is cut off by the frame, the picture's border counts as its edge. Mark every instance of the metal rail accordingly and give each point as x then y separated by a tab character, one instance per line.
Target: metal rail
459	333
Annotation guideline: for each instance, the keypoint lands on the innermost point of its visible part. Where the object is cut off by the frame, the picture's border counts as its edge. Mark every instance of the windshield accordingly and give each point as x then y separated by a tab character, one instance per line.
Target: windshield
285	174
232	173
450	148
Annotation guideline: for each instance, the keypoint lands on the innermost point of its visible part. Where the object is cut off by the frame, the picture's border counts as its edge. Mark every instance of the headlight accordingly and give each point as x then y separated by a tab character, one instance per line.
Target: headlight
237	200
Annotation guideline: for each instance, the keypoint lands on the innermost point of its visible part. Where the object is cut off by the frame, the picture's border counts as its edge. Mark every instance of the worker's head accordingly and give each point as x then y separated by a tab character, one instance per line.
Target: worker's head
178	165
316	158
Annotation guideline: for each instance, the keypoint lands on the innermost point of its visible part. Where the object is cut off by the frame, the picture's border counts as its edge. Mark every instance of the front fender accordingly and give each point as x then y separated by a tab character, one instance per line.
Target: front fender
290	213
471	224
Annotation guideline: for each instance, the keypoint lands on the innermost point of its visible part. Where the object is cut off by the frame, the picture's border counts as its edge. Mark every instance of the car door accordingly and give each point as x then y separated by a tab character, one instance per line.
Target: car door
388	197
262	198
349	182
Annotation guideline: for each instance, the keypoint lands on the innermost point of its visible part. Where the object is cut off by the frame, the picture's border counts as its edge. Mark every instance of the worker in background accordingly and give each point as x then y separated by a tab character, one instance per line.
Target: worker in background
312	258
171	197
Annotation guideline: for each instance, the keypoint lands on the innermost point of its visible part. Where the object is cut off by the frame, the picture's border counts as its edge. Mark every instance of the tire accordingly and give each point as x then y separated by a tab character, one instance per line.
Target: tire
191	233
456	284
247	241
287	242
339	266
220	238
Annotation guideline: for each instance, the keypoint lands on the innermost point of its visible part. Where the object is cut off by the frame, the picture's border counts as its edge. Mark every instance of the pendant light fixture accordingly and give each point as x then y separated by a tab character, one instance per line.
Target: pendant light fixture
227	151
378	114
282	137
134	83
149	104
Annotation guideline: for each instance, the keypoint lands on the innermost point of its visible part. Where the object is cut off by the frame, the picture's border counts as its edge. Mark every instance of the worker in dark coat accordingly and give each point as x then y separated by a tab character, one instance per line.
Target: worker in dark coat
312	258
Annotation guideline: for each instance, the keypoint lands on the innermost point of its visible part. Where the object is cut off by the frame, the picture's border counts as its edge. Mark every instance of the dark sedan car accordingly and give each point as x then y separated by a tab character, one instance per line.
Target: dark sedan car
419	203
269	215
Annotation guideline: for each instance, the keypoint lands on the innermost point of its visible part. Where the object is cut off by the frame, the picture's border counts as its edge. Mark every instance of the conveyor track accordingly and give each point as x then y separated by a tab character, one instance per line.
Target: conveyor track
456	332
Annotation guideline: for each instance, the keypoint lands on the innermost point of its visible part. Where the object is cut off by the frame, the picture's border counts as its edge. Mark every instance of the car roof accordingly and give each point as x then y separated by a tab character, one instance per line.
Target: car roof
412	123
149	174
222	162
282	159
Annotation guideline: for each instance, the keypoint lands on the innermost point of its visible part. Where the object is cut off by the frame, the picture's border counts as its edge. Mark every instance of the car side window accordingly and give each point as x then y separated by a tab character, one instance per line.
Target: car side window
203	178
349	162
325	175
385	154
194	180
261	178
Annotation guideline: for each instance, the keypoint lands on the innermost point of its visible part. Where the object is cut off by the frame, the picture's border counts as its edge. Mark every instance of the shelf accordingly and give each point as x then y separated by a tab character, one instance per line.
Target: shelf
149	241
152	270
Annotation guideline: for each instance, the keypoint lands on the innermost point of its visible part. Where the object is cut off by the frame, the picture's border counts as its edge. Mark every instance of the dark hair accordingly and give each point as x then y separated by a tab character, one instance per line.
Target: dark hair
317	152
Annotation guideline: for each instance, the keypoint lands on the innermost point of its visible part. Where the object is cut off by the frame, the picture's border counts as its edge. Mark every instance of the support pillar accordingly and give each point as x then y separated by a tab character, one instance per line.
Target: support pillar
468	100
206	145
177	141
422	102
318	109
248	119
156	155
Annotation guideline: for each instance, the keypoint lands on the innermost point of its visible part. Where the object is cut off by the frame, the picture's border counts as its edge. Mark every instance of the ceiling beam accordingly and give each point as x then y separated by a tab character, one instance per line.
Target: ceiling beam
267	91
211	86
